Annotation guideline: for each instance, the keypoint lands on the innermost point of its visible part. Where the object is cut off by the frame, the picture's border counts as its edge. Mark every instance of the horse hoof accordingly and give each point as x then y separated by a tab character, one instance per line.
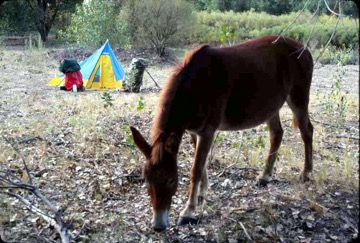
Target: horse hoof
261	182
304	177
187	220
159	229
200	200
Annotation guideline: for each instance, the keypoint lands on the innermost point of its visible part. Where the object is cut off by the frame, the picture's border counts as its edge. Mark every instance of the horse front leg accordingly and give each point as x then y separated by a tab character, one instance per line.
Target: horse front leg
203	187
204	179
198	178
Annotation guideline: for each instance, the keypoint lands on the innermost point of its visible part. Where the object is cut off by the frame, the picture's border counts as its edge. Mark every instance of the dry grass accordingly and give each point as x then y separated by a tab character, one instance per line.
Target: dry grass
93	167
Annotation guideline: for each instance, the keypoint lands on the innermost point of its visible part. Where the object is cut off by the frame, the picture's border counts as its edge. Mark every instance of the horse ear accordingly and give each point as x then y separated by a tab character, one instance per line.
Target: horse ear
140	142
172	144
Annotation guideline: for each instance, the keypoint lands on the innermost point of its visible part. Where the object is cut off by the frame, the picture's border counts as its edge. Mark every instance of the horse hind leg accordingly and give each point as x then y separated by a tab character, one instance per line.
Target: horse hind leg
299	108
276	134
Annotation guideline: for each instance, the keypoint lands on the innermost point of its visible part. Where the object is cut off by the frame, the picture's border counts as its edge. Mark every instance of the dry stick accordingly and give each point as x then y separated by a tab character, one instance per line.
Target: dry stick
223	171
22	158
246	233
312	30
152	79
345	136
242	226
56	222
78	234
302	10
25	140
332	35
331	11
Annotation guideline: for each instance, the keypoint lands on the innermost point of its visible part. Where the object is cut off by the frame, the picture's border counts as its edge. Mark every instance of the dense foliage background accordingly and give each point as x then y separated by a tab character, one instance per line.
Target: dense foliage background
159	23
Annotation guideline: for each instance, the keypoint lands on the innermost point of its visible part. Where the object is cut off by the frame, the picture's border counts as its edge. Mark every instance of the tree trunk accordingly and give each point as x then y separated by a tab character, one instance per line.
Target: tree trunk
42	20
43	35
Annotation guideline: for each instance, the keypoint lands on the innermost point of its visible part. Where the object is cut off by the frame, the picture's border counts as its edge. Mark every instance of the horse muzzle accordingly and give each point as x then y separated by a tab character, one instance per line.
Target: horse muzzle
160	220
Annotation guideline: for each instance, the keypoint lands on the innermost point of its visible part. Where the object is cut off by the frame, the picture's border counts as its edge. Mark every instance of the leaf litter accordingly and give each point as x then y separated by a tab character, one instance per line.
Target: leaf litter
84	161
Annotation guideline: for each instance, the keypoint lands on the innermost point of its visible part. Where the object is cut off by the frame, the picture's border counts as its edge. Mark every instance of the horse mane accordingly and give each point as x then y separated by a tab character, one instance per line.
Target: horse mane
167	96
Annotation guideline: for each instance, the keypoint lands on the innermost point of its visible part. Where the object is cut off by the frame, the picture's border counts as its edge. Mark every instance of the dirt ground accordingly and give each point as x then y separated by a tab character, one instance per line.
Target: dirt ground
82	160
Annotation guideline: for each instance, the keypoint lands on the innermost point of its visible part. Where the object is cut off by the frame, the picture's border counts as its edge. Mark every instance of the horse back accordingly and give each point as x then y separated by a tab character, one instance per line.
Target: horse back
243	85
232	88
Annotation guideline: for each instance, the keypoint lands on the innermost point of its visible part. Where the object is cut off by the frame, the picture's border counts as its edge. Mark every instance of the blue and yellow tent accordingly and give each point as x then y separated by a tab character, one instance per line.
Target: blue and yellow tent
100	71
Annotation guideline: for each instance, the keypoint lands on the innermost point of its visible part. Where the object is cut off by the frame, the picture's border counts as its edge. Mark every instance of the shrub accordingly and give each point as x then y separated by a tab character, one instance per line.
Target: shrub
251	24
93	23
332	55
158	23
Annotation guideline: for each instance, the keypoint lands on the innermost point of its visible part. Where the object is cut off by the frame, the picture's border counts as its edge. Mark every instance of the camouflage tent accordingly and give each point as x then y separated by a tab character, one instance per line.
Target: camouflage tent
134	76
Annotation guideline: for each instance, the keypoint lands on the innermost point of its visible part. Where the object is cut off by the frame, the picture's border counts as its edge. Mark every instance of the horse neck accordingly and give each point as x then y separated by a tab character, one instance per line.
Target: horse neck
171	115
162	130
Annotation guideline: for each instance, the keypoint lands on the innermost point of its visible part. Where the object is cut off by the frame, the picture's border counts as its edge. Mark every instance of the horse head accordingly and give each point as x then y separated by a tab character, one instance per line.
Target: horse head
160	173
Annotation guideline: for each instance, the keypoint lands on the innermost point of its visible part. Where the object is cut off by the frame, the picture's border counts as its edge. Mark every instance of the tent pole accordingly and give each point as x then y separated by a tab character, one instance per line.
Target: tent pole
152	79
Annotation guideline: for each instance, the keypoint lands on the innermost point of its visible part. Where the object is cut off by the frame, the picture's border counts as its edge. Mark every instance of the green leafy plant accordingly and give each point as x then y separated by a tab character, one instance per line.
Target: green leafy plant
40	43
107	99
93	23
29	45
228	34
335	102
141	104
128	137
250	24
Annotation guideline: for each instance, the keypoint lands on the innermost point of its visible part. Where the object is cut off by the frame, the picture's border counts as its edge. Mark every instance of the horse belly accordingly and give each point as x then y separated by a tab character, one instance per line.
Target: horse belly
243	115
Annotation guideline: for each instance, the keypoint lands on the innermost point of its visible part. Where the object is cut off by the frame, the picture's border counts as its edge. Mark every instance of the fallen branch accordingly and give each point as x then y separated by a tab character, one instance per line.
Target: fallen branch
30	139
9	182
237	169
246	233
249	210
22	159
325	123
346	136
317	207
242	226
56	221
223	171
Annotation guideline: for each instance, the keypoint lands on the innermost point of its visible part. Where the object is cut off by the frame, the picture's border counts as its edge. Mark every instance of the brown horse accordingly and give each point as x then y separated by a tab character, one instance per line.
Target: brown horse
229	88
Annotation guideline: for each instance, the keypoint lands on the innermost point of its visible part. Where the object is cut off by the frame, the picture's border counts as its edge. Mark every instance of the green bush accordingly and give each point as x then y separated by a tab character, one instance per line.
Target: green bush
16	18
332	55
251	24
93	23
